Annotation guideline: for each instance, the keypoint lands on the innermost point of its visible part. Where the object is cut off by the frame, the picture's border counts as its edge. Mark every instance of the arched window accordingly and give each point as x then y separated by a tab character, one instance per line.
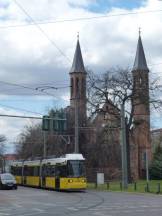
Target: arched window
72	87
140	80
83	86
77	87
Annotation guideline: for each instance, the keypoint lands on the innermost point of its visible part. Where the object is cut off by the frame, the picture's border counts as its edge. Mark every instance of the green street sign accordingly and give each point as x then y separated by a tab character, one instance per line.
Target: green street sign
55	122
46	123
60	122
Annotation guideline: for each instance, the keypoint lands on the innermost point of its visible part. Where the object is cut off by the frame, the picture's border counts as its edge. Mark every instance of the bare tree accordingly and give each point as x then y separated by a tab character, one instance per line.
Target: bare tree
30	142
2	151
116	86
2	144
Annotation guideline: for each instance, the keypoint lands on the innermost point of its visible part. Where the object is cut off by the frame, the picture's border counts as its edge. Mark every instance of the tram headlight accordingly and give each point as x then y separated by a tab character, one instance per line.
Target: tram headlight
70	180
83	180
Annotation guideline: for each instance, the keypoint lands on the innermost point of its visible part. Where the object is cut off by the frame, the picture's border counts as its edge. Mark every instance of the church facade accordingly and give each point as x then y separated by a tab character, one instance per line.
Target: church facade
139	135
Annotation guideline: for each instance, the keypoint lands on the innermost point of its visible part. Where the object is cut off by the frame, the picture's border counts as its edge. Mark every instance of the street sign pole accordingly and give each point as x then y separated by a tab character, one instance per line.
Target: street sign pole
147	166
124	149
44	145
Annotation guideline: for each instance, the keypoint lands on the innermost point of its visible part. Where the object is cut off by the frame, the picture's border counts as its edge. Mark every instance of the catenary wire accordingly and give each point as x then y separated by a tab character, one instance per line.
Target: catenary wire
79	19
26	87
16	108
42	31
67	20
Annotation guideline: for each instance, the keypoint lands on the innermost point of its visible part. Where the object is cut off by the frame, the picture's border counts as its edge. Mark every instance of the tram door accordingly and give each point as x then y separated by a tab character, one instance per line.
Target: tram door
57	178
61	172
25	173
22	175
44	173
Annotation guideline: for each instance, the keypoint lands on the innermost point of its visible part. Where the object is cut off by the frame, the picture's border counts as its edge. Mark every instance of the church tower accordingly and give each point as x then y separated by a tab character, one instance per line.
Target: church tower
78	86
141	151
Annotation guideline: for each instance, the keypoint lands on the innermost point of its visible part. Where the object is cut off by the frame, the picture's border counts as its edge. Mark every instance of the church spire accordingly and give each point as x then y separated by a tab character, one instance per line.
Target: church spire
78	65
140	60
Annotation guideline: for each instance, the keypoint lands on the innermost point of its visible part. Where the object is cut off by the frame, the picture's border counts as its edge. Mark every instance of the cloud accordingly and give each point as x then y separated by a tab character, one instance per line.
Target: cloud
28	58
29	54
10	127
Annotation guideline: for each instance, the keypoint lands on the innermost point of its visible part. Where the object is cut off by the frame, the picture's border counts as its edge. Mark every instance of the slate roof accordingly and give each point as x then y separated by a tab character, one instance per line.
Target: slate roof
78	65
140	60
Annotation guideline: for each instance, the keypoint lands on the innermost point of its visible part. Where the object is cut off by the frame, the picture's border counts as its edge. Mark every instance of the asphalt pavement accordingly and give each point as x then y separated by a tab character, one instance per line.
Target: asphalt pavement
31	201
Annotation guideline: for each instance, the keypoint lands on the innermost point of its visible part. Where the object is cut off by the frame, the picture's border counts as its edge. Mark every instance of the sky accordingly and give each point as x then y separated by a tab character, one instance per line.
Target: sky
37	44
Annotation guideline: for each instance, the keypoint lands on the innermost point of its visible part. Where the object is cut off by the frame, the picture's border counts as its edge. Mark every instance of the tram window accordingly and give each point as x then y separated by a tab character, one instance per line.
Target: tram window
61	171
44	170
18	171
48	170
36	171
52	173
76	168
15	170
28	171
25	170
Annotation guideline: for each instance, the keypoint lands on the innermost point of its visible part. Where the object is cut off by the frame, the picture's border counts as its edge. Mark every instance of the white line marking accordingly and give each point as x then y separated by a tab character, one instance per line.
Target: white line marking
30	214
101	214
4	214
17	205
49	204
38	210
72	208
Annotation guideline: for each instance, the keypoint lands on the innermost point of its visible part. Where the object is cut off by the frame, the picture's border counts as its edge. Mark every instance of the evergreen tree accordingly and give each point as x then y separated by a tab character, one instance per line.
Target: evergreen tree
156	165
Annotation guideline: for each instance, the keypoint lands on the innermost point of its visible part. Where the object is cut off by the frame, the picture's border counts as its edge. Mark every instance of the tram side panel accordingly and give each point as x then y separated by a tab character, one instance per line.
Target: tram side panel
60	174
31	175
64	181
17	171
48	176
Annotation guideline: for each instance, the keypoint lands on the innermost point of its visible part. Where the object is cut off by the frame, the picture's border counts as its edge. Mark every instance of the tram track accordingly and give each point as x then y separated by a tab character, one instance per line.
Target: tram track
100	201
46	202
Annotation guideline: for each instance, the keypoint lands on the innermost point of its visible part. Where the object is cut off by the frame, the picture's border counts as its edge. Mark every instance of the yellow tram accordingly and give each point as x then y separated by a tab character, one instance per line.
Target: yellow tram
63	173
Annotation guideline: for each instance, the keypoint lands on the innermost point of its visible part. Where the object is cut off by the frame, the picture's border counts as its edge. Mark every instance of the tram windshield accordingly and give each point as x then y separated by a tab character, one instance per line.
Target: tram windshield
76	168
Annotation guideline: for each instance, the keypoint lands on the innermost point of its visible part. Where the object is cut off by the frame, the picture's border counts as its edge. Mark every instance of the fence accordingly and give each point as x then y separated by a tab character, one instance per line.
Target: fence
140	186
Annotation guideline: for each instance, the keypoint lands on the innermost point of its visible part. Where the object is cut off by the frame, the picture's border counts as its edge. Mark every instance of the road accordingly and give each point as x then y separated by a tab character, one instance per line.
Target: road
33	202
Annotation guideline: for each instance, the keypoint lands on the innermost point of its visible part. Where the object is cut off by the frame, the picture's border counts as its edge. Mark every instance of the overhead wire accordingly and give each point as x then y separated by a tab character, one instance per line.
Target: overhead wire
40	89
42	31
26	87
16	108
70	20
19	116
67	20
79	19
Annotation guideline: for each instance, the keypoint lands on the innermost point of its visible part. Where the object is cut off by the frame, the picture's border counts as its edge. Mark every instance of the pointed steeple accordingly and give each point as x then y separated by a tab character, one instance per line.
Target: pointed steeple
78	65
140	60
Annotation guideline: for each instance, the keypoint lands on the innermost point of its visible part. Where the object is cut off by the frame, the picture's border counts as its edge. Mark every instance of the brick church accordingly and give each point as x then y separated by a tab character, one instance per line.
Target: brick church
139	139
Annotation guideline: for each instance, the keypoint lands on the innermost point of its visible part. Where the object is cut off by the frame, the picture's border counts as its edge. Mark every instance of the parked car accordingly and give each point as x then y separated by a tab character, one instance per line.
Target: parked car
7	180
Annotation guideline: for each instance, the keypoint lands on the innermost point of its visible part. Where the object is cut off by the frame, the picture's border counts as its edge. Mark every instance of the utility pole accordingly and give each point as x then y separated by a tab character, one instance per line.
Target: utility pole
76	149
147	166
44	145
124	149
